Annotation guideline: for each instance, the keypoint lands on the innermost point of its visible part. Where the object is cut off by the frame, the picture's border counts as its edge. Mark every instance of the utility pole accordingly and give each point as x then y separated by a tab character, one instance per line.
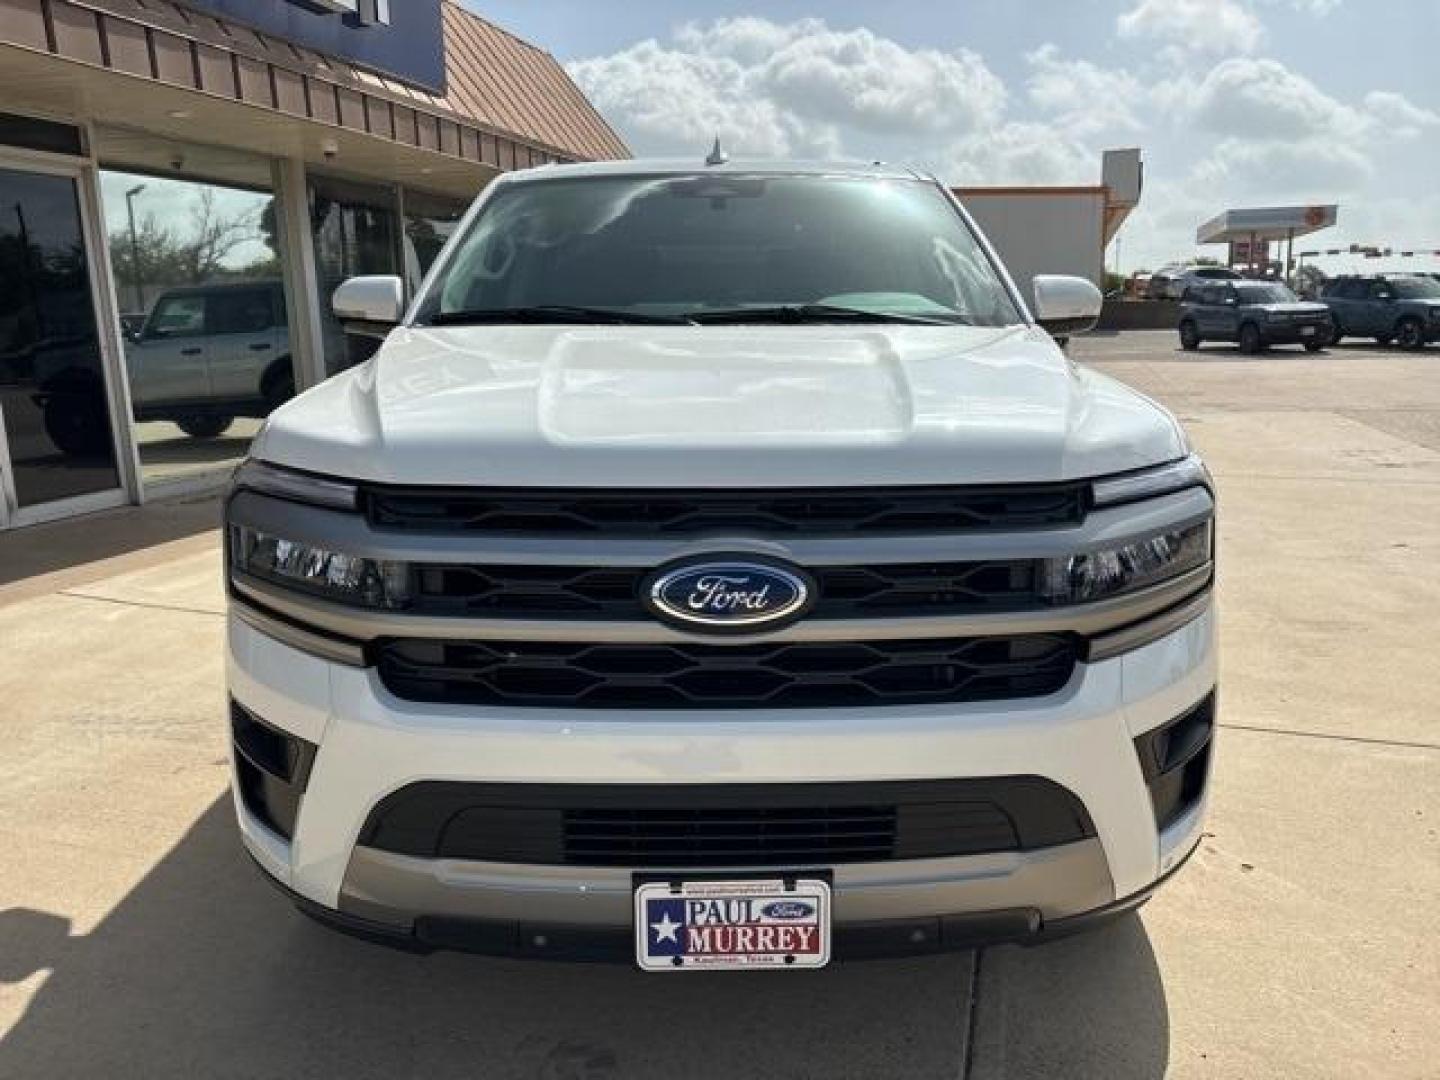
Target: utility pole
135	248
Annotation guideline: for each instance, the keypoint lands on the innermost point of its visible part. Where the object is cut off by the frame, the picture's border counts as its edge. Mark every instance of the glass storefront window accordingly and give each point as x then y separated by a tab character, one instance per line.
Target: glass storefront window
207	346
355	233
430	221
58	440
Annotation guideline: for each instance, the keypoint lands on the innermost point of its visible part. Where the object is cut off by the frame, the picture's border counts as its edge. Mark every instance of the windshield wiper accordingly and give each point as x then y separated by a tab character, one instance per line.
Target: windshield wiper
815	313
541	314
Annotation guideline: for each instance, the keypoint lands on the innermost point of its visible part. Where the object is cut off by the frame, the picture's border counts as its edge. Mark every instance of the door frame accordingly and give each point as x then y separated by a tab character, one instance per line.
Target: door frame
84	174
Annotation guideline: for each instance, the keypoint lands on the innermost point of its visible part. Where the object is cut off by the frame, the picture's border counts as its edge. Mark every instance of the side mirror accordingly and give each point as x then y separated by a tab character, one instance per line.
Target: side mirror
378	300
1066	305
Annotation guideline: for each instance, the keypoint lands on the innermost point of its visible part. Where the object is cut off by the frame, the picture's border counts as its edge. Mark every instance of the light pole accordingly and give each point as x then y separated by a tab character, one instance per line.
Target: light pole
135	248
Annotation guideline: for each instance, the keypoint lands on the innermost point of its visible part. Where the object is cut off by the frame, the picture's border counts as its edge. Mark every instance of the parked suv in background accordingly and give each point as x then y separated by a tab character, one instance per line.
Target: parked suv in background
1177	284
717	564
209	353
1386	307
1255	314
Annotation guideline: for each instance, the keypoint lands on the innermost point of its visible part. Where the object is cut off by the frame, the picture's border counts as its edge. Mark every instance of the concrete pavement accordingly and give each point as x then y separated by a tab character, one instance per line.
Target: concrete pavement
135	939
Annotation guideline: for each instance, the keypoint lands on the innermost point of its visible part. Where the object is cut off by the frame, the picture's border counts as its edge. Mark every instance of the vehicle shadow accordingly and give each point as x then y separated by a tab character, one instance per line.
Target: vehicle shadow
1088	1006
203	970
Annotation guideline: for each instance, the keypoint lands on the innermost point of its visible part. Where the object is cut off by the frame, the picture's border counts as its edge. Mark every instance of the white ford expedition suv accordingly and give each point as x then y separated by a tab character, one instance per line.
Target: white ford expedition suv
719	567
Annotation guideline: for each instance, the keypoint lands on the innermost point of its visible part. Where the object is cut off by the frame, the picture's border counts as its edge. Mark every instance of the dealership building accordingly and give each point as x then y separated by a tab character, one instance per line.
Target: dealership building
182	185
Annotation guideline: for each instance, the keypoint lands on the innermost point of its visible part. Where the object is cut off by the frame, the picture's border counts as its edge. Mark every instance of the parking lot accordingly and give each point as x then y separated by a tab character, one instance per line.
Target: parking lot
135	939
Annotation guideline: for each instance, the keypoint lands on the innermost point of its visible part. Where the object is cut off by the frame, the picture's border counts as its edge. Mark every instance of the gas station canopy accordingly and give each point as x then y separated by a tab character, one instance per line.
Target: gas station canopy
1265	223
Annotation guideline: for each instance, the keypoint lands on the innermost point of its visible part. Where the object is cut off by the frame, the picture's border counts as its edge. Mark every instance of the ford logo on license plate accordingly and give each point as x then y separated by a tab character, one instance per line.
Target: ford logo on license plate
735	595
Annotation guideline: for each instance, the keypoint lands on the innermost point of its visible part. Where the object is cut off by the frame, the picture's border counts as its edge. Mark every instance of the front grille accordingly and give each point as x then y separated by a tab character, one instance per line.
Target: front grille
668	512
576	592
717	825
684	676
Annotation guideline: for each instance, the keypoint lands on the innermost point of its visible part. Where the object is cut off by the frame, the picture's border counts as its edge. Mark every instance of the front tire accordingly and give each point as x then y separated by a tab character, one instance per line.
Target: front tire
1250	340
204	427
1314	346
1411	334
77	426
1189	336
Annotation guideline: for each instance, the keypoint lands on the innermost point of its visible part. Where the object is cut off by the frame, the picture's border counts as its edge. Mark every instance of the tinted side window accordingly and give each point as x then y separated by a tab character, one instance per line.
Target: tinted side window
247	311
179	316
1379	289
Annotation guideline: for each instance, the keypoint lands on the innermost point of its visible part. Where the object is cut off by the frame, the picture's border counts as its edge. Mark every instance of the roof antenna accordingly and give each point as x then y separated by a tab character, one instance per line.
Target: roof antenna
717	156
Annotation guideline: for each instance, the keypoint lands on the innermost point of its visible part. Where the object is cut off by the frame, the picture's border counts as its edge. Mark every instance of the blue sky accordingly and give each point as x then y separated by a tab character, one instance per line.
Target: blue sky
1234	102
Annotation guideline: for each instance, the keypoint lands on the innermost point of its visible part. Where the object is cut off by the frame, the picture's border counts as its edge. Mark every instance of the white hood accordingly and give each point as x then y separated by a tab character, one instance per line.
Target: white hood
707	406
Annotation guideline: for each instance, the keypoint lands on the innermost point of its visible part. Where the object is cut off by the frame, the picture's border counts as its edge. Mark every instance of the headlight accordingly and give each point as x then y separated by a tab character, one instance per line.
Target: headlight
1096	575
333	575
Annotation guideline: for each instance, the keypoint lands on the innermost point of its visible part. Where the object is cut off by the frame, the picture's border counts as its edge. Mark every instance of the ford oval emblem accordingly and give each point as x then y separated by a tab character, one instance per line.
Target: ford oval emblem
788	909
734	595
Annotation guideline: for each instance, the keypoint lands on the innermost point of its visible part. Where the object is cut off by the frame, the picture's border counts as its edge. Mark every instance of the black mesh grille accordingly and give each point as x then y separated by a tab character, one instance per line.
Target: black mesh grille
658	676
866	510
572	592
659	826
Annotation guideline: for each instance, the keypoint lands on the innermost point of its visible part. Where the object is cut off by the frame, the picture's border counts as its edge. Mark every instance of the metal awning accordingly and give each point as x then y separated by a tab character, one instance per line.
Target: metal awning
1266	223
156	66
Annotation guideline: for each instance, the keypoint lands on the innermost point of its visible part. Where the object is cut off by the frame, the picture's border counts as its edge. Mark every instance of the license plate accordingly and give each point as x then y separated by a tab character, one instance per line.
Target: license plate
1307	331
720	925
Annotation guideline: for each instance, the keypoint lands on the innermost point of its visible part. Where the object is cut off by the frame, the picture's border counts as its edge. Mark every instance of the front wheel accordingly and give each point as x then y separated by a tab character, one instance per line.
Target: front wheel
204	426
1250	341
1410	334
1189	336
77	425
1314	346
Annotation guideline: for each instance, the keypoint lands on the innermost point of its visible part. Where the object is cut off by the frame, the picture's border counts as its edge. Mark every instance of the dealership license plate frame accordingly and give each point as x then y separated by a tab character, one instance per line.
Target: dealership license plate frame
762	890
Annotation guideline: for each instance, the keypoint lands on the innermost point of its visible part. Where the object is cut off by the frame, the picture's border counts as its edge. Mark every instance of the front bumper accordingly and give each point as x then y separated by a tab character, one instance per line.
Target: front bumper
370	744
1295	334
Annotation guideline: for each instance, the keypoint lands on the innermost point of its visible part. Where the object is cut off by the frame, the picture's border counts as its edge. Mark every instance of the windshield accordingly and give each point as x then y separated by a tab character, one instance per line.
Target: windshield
1264	293
1416	288
683	248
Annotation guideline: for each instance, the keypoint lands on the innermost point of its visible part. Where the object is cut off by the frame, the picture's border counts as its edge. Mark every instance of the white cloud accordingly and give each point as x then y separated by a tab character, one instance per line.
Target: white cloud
1213	26
1308	7
1263	99
769	88
1302	171
1084	98
1020	153
1398	114
858	78
668	101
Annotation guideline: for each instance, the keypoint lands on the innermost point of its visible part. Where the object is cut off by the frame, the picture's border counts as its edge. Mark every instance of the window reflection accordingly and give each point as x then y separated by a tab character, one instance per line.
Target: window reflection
430	220
207	345
354	227
52	377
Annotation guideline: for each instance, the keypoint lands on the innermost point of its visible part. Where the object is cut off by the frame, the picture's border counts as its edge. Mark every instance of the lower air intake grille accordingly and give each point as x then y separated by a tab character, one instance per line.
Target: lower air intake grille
716	825
662	676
